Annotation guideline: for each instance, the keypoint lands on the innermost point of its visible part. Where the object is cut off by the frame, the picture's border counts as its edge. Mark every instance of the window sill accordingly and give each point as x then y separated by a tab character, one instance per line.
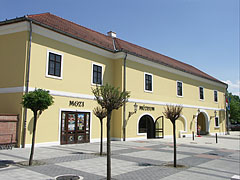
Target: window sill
54	77
148	91
217	127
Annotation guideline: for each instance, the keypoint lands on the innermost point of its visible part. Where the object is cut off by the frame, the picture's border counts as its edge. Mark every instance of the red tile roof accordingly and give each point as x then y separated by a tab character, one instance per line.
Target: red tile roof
103	41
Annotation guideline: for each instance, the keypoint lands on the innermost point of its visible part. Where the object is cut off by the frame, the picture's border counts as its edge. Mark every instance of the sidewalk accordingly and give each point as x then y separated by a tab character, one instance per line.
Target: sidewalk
202	158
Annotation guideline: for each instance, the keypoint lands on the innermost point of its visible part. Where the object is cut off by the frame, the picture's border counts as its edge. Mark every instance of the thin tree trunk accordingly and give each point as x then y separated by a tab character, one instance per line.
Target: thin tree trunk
101	145
124	130
108	146
33	138
174	141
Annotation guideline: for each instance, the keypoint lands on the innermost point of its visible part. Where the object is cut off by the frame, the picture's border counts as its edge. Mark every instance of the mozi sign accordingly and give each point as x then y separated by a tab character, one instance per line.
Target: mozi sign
76	103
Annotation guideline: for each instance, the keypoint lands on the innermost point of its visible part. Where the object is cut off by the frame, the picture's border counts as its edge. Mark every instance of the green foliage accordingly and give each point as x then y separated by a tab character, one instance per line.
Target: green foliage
37	100
109	97
234	108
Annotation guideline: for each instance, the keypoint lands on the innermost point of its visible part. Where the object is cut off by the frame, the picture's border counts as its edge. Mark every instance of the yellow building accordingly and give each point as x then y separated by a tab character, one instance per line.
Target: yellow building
48	52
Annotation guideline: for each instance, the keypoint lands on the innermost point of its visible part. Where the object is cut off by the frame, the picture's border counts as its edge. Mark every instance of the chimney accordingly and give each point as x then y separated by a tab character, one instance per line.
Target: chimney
112	34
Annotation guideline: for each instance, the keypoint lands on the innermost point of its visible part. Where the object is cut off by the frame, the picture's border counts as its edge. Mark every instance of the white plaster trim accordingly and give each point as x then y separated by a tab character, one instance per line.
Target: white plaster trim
74	110
168	103
14	28
91	97
92	83
12	90
168	136
143	134
218	133
183	132
207	120
144	81
47	62
98	140
186	135
45	144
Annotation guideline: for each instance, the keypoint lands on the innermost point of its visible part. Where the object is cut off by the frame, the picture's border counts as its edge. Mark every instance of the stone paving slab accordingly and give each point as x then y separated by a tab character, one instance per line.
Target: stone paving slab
97	166
130	160
154	155
22	174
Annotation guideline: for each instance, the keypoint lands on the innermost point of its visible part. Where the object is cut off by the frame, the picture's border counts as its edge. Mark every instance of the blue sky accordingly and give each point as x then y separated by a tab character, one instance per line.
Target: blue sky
202	33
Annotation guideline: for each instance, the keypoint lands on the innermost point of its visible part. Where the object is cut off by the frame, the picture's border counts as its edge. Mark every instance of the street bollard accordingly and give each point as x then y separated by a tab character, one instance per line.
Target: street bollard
216	138
193	135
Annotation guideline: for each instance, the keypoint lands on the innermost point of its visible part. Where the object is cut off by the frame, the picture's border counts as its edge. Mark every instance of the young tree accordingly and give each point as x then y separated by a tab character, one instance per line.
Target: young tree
109	98
173	112
101	114
37	101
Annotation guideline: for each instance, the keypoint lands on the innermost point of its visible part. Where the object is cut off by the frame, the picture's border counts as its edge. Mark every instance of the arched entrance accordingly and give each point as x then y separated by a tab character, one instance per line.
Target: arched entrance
202	122
146	125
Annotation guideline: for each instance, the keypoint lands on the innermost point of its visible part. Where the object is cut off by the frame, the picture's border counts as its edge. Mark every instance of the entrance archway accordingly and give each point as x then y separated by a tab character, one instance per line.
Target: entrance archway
202	121
146	125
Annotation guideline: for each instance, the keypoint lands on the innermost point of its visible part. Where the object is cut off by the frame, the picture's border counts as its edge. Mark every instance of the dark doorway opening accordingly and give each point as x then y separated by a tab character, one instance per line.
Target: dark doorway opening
146	125
201	122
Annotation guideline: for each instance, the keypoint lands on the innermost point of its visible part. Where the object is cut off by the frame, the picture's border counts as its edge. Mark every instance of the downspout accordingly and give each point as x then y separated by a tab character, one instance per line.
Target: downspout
27	83
124	105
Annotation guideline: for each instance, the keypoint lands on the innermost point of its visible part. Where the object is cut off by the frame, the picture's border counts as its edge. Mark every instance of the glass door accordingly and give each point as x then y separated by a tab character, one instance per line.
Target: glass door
75	127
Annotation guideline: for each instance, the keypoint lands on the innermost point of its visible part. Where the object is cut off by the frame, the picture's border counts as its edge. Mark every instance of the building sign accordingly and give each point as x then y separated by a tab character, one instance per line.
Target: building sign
76	103
146	108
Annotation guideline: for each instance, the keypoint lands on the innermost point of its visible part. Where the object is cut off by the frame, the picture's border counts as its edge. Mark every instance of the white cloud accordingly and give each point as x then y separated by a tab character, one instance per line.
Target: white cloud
234	88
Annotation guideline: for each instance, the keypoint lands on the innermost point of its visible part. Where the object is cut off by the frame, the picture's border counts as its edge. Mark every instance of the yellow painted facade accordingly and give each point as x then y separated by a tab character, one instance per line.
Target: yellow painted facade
76	85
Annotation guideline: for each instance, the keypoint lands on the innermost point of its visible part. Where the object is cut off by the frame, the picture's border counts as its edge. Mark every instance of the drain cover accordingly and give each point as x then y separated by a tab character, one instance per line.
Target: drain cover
69	177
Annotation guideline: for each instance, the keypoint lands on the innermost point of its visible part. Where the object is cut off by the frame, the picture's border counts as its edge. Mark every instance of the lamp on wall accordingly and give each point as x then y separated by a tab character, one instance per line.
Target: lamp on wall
198	112
215	115
135	110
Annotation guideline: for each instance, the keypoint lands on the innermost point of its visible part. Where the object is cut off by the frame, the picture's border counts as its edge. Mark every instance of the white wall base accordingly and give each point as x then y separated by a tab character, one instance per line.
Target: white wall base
218	133
43	144
97	140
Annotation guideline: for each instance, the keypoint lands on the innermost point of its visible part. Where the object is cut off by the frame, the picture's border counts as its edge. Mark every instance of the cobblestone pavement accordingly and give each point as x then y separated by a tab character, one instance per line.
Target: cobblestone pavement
136	160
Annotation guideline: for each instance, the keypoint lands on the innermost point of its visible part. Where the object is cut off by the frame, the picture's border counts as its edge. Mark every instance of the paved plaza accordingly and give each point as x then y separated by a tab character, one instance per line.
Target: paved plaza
203	158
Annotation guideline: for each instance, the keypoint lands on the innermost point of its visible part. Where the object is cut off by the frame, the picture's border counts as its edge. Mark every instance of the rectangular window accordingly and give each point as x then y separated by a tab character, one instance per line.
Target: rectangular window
215	96
54	64
148	82
179	88
201	93
216	122
97	74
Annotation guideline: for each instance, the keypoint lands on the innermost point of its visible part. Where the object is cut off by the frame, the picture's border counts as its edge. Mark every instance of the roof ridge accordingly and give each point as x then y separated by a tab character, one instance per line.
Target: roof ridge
72	23
37	14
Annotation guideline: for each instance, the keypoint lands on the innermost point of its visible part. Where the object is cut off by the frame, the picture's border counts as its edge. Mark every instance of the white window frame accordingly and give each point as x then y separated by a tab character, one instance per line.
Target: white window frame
214	96
177	88
215	122
47	62
145	73
199	93
92	83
